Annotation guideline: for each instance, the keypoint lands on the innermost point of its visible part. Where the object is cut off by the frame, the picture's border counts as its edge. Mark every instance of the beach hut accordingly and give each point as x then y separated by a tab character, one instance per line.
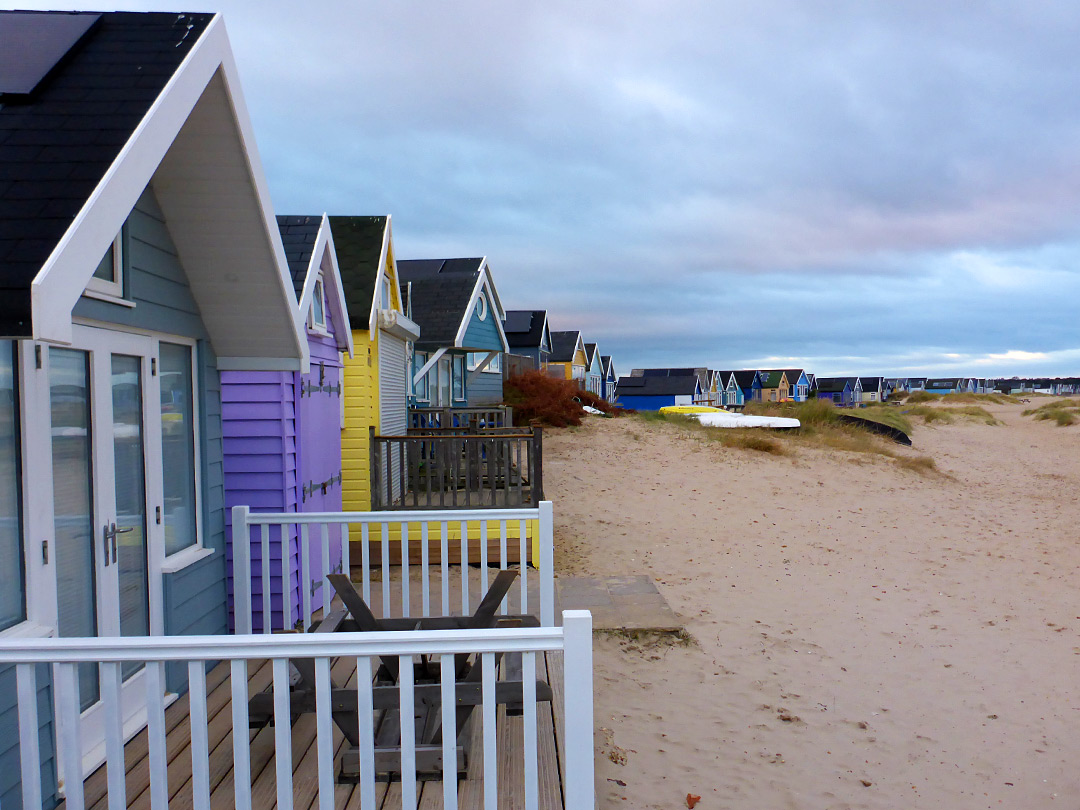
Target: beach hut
836	389
282	451
141	261
610	378
594	370
568	359
798	384
946	385
456	306
872	390
376	381
774	386
648	393
731	395
528	335
749	383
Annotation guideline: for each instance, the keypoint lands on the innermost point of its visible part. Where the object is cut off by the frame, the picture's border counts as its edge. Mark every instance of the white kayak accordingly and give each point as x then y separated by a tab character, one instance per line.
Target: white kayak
738	420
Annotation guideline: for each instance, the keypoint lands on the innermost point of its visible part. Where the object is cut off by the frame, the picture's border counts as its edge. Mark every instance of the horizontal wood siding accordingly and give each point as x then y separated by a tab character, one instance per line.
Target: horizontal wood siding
483	334
10	787
260	458
361	413
486	388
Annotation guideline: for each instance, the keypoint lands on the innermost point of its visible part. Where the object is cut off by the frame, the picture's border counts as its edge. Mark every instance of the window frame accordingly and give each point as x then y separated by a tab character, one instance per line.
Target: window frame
457	375
181	558
20	491
419	359
318	293
111	288
481	306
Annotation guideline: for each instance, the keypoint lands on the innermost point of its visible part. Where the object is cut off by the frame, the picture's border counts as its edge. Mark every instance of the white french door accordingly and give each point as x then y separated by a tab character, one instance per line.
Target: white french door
105	432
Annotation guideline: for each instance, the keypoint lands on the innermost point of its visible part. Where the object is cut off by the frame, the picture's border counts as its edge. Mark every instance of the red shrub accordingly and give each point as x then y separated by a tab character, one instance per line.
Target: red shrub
545	400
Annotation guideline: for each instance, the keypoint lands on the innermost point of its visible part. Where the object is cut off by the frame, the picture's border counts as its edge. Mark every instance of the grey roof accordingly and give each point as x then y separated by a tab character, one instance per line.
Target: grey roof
358	244
298	235
563	345
441	292
524	328
609	368
58	141
744	379
590	352
657	386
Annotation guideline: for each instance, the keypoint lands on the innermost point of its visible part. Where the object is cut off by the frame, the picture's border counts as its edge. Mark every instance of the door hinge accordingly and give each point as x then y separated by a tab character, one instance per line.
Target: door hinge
44	552
37	356
157	514
153	366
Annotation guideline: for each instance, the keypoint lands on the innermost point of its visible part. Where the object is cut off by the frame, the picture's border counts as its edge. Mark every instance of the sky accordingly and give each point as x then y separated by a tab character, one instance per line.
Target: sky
885	187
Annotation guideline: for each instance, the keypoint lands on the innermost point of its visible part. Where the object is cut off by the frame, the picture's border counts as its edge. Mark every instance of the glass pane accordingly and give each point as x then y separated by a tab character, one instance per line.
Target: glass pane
444	381
178	446
13	599
105	269
130	499
459	377
318	315
76	598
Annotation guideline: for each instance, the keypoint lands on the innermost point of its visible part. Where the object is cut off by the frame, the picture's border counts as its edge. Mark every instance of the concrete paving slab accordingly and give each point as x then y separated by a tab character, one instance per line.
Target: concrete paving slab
619	603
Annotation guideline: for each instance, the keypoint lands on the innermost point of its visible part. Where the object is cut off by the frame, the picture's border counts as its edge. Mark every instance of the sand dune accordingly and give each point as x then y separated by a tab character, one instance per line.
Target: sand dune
866	637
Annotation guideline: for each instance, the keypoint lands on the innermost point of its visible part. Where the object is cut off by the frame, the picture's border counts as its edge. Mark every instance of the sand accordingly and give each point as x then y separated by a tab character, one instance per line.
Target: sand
865	636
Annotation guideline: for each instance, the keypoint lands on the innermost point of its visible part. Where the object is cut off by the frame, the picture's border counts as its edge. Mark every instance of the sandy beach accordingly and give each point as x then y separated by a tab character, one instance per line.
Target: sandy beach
864	636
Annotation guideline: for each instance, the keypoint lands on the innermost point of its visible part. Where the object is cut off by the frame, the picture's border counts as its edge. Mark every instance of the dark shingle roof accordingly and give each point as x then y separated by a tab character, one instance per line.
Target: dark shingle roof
793	375
590	352
298	235
524	327
829	385
57	143
441	292
744	379
605	363
563	345
657	386
358	245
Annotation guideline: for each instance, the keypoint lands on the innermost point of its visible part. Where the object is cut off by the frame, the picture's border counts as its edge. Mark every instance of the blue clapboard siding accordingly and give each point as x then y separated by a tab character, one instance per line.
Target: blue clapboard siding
194	598
10	789
484	388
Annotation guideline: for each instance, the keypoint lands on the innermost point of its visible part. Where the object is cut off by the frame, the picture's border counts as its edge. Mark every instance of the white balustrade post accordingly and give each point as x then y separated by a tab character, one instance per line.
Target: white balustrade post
547	564
241	543
578	679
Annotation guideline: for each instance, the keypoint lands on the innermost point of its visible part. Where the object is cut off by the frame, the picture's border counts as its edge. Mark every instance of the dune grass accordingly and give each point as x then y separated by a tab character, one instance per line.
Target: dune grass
915	397
947	416
821	429
1063	412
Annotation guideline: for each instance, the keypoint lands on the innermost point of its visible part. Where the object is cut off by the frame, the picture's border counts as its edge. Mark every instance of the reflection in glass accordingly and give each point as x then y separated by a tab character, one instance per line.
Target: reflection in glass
178	446
130	499
69	397
13	595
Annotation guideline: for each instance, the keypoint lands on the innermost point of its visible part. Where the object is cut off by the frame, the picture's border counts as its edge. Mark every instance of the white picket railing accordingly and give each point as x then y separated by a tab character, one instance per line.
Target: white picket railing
573	638
435	527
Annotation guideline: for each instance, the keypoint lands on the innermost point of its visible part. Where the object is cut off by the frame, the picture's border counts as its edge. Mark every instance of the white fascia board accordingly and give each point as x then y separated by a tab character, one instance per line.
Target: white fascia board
324	260
376	294
61	280
483	281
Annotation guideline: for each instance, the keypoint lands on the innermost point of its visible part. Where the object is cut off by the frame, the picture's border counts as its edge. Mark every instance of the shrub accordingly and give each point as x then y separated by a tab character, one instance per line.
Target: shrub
543	400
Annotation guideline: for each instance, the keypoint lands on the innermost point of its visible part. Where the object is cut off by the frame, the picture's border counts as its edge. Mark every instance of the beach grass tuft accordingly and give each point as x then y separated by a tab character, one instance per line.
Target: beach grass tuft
1063	412
915	397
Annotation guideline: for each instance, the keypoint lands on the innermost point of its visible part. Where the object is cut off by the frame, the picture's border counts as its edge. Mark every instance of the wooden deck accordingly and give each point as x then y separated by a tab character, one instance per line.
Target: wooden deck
550	744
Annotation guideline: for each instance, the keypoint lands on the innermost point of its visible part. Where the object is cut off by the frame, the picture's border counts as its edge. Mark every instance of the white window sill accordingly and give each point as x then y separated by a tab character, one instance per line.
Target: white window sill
27	629
108	298
182	559
318	330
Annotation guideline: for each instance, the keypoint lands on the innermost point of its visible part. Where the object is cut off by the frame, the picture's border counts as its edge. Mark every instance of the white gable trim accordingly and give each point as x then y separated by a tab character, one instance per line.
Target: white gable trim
324	260
483	282
376	294
64	276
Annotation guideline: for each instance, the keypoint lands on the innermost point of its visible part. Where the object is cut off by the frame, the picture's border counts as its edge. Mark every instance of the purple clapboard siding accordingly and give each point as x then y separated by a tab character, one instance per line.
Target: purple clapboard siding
282	442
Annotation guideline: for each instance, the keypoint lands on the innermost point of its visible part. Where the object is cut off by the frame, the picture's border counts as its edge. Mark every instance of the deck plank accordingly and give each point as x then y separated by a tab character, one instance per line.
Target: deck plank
554	662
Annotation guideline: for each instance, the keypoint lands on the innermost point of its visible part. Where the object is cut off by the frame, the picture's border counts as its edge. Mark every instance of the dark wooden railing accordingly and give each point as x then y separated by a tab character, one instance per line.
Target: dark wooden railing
475	417
454	468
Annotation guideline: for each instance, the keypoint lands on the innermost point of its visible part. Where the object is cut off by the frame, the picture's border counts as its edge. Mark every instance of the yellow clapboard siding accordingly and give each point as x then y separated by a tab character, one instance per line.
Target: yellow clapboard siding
361	414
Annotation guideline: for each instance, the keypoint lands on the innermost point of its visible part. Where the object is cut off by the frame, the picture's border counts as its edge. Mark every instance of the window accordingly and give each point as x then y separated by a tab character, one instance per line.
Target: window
318	305
13	598
387	298
476	358
481	307
420	390
108	278
178	457
459	376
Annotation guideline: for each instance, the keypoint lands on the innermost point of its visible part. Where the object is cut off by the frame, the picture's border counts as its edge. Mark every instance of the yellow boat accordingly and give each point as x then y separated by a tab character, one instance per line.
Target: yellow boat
691	409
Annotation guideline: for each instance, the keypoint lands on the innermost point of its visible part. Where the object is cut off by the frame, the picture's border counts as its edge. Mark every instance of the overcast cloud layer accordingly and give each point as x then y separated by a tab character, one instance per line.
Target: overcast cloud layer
886	187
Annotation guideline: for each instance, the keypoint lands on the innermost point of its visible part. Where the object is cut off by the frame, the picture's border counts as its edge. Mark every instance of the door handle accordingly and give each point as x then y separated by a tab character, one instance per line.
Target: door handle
107	533
110	534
